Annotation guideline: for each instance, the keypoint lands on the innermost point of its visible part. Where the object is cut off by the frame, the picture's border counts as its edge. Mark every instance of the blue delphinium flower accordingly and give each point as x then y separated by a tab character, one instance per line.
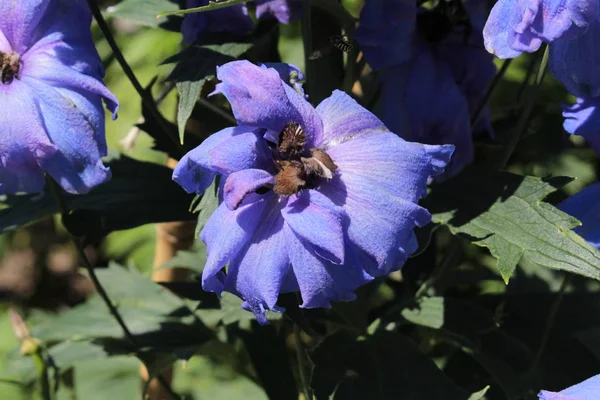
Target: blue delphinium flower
433	74
583	119
585	206
318	201
51	92
586	390
234	19
516	26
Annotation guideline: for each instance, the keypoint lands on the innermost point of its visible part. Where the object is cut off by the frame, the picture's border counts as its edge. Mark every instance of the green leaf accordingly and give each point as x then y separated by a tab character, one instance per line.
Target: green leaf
207	205
138	193
159	319
195	65
429	311
212	5
142	12
505	213
230	312
386	365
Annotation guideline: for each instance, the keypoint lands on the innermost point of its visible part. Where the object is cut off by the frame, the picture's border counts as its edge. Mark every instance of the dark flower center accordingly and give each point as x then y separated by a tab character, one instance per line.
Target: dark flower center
10	64
296	170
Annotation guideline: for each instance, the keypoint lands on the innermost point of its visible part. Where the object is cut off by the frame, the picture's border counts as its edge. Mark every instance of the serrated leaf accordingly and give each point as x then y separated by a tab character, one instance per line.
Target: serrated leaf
195	65
138	193
212	5
506	213
429	311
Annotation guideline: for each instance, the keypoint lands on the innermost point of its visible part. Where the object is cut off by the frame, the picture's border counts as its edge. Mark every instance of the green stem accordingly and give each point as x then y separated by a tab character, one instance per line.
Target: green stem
449	257
497	78
301	366
99	288
147	100
42	369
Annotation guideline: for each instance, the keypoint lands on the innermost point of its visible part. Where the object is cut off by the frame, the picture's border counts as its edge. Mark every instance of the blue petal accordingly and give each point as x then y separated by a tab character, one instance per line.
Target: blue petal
24	140
258	270
586	390
386	31
243	182
20	21
225	234
259	98
576	62
284	10
75	125
344	119
583	119
195	172
289	73
316	220
585	206
319	280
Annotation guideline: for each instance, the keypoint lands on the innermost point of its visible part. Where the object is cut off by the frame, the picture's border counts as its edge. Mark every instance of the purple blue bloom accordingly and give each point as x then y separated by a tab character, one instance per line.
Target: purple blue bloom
585	206
586	390
235	19
433	78
318	201
51	92
583	119
516	26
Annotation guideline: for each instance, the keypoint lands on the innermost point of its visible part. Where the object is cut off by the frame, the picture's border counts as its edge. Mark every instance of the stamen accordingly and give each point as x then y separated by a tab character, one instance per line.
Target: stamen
10	64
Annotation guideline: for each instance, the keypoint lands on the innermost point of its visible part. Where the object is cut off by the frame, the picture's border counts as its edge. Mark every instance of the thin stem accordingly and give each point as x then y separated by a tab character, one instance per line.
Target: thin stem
453	250
98	285
147	100
301	366
308	47
550	323
217	110
524	118
497	78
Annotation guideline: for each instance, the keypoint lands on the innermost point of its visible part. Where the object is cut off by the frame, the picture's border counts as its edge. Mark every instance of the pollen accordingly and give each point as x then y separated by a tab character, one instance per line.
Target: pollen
10	64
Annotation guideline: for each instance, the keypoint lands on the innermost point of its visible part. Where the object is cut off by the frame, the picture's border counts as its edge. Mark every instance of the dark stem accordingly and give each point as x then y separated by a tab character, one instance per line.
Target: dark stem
147	100
301	367
56	190
497	78
308	47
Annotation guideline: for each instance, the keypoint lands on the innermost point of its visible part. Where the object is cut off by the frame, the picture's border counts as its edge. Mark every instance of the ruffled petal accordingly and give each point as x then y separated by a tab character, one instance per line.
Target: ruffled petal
583	119
246	150
387	31
74	122
240	183
225	234
257	272
259	98
319	280
576	63
401	168
316	220
24	141
377	219
585	206
499	32
344	119
284	10
194	171
586	390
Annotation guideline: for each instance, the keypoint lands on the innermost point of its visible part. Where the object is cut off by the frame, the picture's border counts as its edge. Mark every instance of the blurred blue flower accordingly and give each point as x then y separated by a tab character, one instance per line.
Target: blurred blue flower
586	390
51	92
318	201
235	19
516	26
583	119
434	74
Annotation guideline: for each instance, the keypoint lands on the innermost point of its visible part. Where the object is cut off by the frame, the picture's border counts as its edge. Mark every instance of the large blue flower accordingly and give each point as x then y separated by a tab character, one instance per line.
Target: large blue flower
516	26
586	390
318	201
51	93
434	75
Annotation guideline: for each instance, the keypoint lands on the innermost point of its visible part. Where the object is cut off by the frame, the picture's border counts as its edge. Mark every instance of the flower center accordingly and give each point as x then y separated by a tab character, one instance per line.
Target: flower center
10	64
295	172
